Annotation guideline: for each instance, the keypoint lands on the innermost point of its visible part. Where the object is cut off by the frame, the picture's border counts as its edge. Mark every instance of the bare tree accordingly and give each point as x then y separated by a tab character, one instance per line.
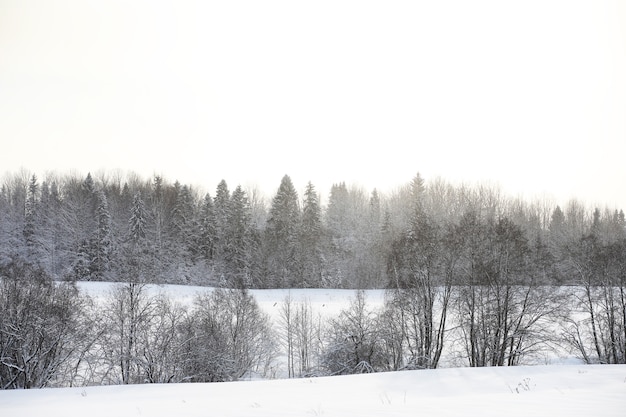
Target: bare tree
298	332
38	325
503	311
226	337
597	329
126	316
353	344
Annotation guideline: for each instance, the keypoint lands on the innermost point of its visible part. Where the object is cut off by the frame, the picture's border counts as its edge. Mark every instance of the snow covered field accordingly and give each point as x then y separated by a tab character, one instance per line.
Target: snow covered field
327	302
565	390
568	390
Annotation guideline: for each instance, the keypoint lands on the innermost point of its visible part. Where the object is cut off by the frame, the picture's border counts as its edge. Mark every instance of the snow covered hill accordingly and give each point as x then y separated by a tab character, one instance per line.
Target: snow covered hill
565	390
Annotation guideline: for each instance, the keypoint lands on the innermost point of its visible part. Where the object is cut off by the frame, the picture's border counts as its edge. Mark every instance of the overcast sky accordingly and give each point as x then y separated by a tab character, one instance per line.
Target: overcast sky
530	95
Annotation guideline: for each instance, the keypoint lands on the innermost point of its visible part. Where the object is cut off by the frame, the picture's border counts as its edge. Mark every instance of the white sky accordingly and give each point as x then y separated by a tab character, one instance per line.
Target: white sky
530	95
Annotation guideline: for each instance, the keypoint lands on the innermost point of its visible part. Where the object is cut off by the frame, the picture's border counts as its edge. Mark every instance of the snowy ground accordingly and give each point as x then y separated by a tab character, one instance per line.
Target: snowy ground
327	302
566	390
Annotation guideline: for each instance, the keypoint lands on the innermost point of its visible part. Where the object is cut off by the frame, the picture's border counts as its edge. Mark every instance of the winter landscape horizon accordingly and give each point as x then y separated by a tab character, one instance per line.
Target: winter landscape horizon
326	208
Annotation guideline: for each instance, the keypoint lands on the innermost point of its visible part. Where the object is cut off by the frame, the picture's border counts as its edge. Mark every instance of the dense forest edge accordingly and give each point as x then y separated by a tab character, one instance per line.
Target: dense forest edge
469	274
116	228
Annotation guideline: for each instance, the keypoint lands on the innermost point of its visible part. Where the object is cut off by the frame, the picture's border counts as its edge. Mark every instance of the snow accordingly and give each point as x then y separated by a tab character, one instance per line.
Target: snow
569	389
516	391
326	302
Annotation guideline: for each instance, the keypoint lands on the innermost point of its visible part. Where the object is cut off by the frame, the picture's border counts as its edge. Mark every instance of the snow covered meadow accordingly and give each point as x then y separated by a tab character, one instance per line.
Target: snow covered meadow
565	390
566	387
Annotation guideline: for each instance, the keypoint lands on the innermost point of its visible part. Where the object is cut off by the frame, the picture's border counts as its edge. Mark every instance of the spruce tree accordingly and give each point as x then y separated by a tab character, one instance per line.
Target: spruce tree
222	214
206	236
311	238
31	219
282	235
137	221
239	239
102	245
184	227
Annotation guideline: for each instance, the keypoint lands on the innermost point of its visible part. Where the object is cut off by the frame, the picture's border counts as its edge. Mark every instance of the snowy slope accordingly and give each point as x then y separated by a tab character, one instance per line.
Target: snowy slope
516	391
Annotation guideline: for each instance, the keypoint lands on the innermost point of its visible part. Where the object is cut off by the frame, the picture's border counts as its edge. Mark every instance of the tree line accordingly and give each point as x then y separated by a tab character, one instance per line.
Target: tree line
111	227
54	335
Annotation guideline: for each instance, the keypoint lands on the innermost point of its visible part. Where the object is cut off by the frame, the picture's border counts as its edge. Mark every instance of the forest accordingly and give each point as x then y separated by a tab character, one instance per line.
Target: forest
121	228
464	267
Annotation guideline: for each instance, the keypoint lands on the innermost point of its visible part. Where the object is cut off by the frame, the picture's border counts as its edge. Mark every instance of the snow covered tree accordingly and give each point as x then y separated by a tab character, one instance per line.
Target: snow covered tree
354	345
137	222
282	234
126	316
31	218
184	226
375	250
501	305
422	287
207	233
346	222
239	239
158	210
160	359
102	245
39	327
226	337
299	334
311	238
597	329
222	215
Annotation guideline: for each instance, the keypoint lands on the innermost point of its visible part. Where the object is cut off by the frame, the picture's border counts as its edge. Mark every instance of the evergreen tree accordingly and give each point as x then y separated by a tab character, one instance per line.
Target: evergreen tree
51	236
282	235
102	239
138	263
31	212
311	238
207	233
337	225
337	213
239	238
346	220
137	222
158	211
375	251
184	227
418	191
222	207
